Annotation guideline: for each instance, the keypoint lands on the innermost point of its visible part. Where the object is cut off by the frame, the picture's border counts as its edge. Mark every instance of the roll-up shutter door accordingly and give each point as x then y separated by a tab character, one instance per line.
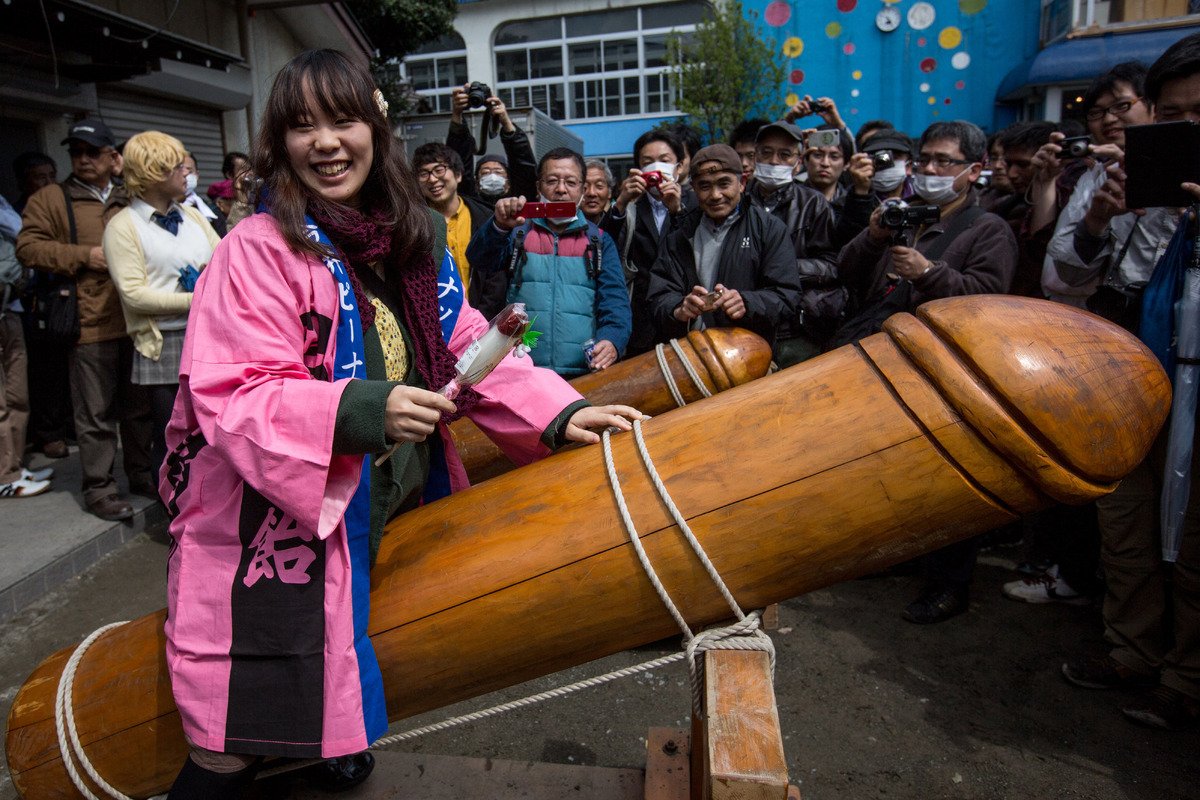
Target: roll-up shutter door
199	128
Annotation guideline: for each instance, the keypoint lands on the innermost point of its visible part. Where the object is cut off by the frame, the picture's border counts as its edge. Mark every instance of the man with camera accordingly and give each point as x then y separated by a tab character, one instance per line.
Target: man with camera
648	204
965	251
727	262
881	171
1093	245
1151	607
809	222
492	178
824	163
564	268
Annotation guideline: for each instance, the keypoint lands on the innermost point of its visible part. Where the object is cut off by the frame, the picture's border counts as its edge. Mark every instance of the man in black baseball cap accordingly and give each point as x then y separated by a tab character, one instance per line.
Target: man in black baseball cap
92	132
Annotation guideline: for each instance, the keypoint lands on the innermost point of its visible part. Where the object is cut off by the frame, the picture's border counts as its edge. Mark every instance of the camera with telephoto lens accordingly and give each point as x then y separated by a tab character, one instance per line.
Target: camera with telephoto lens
882	160
1074	147
900	216
477	94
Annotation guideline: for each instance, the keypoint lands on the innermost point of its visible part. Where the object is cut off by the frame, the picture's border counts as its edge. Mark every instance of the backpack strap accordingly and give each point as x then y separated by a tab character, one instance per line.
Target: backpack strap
70	213
516	261
439	237
593	253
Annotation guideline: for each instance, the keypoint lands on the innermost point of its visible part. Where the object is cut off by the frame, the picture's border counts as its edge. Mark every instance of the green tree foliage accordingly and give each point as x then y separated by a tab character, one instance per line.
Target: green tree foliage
397	27
726	71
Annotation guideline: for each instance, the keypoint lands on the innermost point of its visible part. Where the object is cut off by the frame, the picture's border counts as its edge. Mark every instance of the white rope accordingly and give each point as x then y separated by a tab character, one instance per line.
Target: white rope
660	354
64	724
561	691
743	634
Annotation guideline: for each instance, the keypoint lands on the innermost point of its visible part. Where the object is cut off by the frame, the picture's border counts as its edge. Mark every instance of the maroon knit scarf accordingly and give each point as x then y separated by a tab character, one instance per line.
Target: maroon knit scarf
366	238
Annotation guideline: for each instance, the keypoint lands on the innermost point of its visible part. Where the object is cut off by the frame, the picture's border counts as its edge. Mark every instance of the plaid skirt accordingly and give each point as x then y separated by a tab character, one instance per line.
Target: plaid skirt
166	369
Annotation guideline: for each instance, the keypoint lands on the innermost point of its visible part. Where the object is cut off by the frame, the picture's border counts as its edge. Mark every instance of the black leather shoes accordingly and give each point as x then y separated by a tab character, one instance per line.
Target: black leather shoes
936	604
111	508
342	773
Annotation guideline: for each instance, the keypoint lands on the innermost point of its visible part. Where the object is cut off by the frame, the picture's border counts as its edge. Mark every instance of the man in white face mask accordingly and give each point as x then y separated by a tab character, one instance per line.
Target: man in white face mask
190	198
968	251
810	224
646	207
892	151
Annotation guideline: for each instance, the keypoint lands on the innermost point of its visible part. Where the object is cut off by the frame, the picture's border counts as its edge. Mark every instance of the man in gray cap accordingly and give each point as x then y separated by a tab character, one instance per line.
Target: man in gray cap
808	218
63	227
725	263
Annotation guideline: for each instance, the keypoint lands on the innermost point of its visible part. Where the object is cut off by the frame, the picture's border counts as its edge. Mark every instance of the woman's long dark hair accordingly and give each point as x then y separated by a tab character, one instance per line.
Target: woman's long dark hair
341	88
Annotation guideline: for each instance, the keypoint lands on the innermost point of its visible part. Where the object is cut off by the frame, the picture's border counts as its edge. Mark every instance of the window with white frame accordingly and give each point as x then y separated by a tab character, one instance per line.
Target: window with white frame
436	68
610	63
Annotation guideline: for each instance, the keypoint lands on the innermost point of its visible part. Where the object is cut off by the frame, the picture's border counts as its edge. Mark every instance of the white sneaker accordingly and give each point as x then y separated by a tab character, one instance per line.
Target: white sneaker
1045	588
43	474
23	488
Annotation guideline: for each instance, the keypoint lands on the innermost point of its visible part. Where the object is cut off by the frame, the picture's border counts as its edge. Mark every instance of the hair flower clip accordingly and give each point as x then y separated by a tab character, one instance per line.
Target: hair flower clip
381	103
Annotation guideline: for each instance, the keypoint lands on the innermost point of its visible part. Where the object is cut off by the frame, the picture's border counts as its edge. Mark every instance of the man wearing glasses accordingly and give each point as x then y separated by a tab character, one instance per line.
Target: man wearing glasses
439	171
63	227
1090	234
970	252
809	221
564	269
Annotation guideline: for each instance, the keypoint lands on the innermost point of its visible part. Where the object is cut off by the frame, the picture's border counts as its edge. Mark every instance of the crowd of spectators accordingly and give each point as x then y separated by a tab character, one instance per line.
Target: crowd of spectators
781	230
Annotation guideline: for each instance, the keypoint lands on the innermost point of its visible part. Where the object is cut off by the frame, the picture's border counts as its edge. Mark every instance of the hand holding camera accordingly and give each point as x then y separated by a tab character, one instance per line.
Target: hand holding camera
508	213
908	263
862	169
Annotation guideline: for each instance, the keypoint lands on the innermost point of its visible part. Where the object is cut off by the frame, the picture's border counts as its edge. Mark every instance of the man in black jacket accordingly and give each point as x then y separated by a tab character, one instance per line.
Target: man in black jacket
809	221
727	262
439	173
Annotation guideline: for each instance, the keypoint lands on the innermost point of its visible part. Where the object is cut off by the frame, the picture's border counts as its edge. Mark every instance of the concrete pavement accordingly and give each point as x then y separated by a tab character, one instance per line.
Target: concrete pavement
49	539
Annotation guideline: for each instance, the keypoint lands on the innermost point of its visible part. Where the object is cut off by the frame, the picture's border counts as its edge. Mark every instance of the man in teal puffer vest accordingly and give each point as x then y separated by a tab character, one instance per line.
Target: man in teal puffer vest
565	270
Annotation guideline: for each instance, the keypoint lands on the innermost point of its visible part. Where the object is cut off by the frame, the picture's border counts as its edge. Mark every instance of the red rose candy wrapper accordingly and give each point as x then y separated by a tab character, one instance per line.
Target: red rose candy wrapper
505	332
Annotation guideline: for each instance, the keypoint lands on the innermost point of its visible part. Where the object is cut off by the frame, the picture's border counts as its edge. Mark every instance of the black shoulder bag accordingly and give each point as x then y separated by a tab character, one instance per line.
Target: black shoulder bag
896	296
55	307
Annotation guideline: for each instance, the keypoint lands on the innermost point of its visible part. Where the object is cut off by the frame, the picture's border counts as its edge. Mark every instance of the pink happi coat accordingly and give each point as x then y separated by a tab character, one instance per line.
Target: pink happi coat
260	640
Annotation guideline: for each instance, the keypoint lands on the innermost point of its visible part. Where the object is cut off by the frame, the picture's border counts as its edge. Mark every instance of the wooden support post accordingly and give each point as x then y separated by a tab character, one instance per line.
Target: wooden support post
738	753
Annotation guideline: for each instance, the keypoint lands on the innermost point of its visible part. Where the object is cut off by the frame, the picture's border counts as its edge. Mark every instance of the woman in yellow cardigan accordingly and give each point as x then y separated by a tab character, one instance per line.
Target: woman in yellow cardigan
156	249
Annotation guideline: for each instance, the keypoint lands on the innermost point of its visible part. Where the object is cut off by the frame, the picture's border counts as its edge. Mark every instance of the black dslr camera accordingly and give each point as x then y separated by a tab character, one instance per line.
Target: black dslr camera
882	160
898	216
477	94
818	106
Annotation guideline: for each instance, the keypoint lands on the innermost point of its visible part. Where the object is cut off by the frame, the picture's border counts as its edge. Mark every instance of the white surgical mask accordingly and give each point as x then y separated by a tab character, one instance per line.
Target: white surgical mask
492	184
557	220
773	175
936	189
885	180
192	180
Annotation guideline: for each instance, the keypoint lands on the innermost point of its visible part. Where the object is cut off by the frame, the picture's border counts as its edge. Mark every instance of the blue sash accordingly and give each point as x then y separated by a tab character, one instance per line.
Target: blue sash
349	361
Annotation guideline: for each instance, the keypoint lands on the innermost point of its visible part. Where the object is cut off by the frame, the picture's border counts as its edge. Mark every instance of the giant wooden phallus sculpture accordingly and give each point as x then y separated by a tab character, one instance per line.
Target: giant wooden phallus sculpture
938	428
720	358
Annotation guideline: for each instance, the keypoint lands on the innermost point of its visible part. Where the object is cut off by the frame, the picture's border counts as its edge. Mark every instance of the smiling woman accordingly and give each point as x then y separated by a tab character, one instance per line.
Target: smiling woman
313	344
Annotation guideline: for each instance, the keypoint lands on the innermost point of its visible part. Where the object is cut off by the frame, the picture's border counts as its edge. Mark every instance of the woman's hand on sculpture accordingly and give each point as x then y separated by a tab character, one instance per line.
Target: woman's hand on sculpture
580	428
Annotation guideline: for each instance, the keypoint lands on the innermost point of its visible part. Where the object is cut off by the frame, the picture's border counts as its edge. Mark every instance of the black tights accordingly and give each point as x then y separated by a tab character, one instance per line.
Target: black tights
197	783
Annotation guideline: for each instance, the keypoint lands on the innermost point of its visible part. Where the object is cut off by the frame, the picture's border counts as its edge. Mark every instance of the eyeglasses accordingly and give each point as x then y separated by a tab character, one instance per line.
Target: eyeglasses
553	182
940	162
90	152
769	153
1117	109
436	171
497	170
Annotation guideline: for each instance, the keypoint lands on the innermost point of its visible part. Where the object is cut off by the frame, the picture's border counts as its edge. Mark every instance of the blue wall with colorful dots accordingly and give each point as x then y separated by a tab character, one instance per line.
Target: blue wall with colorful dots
943	59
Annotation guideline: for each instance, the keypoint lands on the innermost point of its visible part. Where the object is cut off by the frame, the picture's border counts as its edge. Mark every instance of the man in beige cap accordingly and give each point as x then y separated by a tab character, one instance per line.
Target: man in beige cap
726	263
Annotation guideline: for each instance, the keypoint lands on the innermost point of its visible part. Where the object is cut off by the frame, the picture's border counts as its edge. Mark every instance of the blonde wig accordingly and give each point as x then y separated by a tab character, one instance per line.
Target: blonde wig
150	157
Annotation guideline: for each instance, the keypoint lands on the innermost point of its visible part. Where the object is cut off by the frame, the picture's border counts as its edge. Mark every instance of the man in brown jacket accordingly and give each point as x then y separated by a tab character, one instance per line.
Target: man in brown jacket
968	251
67	242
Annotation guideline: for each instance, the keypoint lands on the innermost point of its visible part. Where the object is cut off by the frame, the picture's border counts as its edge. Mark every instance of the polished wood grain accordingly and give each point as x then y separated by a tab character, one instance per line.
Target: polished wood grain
721	357
942	426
